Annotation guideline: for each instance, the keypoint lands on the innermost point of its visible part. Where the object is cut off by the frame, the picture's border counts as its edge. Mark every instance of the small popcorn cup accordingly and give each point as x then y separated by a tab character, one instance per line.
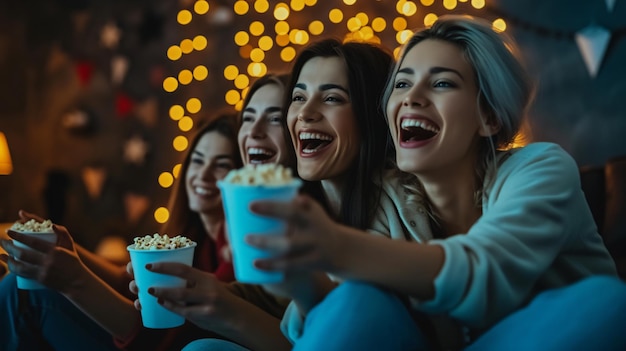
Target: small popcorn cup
240	221
25	283
154	315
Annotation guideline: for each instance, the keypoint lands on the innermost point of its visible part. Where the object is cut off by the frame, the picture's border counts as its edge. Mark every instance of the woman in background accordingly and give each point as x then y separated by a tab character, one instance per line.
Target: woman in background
88	301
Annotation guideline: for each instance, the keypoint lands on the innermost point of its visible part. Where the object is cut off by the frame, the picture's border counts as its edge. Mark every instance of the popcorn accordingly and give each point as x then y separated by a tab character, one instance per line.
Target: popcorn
161	242
264	174
32	226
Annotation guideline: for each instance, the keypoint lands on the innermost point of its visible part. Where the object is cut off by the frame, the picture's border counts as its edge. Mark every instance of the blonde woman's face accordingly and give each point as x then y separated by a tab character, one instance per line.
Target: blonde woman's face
433	109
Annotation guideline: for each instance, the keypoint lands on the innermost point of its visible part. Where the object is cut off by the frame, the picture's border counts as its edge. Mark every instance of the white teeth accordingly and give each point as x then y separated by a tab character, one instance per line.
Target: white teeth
259	151
314	136
202	191
407	123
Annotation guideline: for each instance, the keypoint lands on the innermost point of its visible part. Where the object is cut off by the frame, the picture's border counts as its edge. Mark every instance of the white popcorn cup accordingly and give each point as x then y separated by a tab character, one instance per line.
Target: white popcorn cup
240	221
154	315
25	283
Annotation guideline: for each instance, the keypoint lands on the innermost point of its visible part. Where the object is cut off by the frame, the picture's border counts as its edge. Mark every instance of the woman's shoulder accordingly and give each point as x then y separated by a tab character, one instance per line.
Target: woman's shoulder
537	154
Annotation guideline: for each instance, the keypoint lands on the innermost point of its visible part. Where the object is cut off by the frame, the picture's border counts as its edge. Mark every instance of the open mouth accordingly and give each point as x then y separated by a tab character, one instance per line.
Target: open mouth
258	155
417	130
310	143
205	192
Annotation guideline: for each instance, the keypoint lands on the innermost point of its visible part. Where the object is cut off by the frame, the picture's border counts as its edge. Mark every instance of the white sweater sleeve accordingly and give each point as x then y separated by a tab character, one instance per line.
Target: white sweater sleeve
492	270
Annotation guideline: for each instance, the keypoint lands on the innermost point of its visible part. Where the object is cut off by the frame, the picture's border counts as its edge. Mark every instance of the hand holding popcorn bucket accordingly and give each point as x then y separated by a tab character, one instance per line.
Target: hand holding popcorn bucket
41	230
239	188
158	248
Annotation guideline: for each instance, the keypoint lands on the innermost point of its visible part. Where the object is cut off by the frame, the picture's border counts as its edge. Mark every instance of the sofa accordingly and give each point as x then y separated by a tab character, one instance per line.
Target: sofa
605	190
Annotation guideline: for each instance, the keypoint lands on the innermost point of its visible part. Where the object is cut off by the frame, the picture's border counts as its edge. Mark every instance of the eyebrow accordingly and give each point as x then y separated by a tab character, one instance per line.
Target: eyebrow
217	157
324	87
267	110
433	70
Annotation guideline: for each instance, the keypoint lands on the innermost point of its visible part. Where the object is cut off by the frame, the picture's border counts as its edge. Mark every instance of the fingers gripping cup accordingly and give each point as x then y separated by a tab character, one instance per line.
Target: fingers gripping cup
157	248
42	230
239	188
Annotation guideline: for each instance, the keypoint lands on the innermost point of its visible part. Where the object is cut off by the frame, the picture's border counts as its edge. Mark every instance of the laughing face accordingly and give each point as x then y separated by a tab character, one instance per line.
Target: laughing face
321	122
433	109
210	161
261	138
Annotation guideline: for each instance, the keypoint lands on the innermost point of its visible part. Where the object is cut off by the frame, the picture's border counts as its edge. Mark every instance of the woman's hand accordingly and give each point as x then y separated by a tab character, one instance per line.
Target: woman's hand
204	301
311	240
56	266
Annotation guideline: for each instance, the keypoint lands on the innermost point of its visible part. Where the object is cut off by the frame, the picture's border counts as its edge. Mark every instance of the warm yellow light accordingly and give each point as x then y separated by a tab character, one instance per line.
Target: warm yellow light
316	27
427	2
257	28
174	52
297	36
241	7
367	33
200	72
244	92
242	38
180	143
201	7
399	24
244	51
310	2
297	5
449	4
231	72
478	4
170	84
239	105
281	11
362	18
287	54
242	81
6	164
257	55
166	179
353	24
232	97
186	45
379	24
261	6
396	52
403	36
193	105
429	19
257	69
349	2
176	170
281	27
184	17
499	25
335	15
409	8
185	77
185	124
161	215
199	42
400	6
282	40
302	37
266	43
176	112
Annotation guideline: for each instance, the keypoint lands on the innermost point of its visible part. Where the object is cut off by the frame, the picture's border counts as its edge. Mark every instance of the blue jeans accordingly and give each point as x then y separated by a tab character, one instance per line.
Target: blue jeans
588	315
45	320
